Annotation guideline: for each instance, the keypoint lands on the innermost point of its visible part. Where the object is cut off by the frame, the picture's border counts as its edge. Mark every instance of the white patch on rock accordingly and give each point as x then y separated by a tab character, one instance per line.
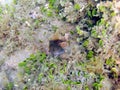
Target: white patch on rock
3	80
17	57
4	2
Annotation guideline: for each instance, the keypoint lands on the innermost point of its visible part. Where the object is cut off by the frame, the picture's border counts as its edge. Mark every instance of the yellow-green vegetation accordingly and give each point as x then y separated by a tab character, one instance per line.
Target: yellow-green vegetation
77	7
86	43
44	70
90	54
30	64
101	42
97	84
110	62
9	86
80	32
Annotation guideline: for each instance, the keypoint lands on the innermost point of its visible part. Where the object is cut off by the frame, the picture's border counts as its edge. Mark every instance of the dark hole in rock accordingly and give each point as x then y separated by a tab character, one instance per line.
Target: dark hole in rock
119	78
118	36
72	1
64	18
111	75
96	19
55	49
60	8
